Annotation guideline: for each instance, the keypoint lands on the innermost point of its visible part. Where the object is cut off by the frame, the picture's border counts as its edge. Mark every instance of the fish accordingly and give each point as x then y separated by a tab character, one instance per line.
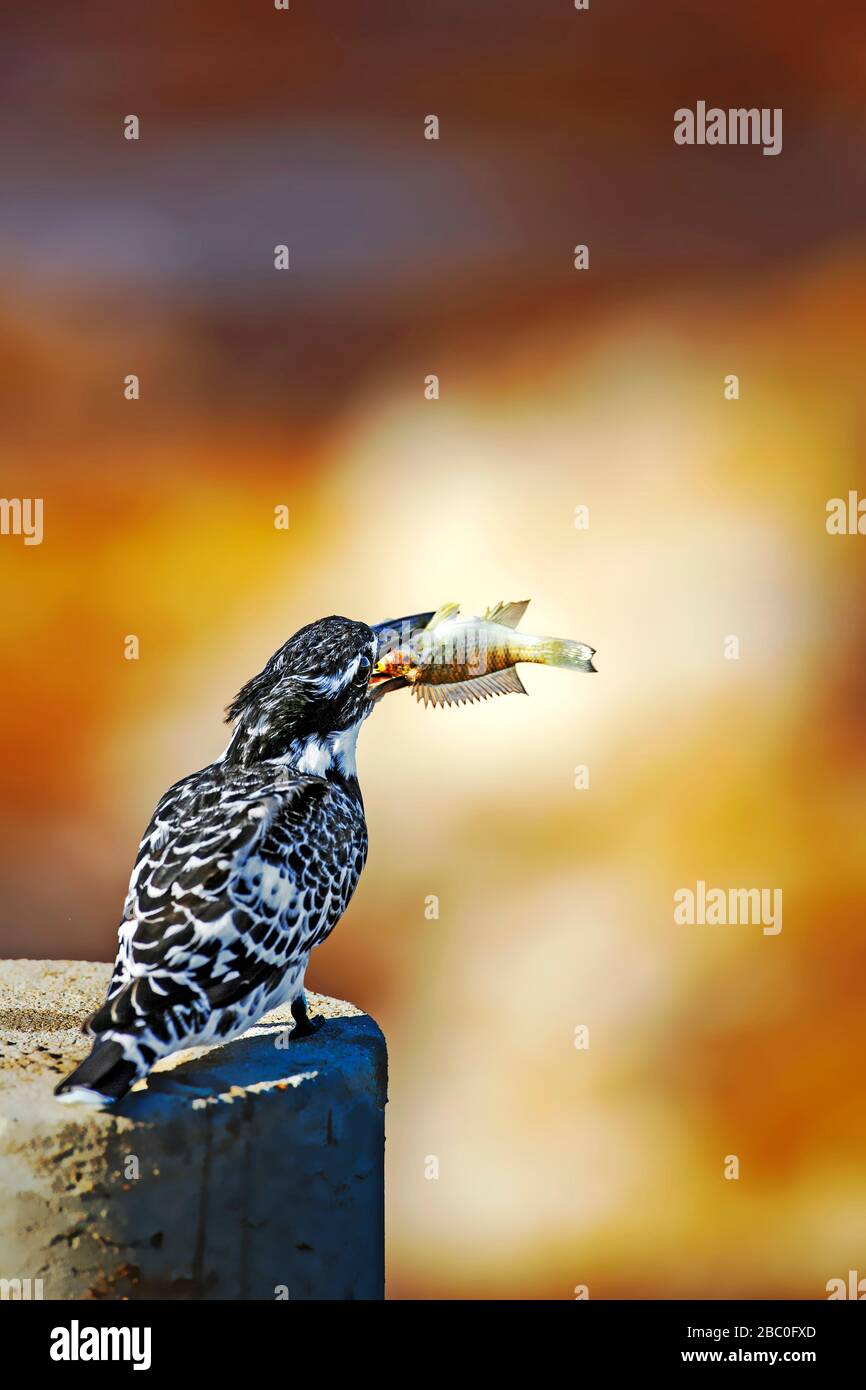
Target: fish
454	660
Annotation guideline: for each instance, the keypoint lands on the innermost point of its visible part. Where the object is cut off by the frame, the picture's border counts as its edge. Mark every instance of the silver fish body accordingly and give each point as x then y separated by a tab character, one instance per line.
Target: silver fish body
454	659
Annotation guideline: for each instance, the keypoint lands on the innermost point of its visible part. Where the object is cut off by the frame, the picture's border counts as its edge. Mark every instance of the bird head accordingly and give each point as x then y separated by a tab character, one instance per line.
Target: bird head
317	687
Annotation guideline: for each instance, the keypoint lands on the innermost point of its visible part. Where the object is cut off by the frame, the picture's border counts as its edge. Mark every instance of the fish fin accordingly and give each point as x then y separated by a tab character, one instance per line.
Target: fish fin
448	610
571	656
506	614
505	682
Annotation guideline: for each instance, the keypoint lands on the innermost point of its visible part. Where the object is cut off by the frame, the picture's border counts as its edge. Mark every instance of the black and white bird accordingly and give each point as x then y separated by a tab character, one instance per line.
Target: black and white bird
246	865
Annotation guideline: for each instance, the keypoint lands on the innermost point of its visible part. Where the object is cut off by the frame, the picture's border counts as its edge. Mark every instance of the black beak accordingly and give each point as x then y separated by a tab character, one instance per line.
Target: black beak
398	632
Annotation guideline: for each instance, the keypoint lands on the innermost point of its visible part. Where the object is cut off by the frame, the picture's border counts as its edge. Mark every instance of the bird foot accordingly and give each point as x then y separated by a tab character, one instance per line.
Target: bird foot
305	1029
304	1025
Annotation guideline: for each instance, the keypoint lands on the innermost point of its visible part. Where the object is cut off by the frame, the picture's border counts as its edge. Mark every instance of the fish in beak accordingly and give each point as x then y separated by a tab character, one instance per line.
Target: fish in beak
453	660
394	635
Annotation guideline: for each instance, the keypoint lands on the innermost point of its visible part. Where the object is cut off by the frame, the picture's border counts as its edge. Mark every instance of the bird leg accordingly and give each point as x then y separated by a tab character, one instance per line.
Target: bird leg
304	1025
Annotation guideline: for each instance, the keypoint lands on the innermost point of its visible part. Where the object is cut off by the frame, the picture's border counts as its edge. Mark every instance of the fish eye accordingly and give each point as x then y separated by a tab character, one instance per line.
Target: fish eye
362	675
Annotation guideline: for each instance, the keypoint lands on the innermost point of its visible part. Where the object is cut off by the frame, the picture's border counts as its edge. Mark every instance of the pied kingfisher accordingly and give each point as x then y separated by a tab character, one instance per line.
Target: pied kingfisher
246	865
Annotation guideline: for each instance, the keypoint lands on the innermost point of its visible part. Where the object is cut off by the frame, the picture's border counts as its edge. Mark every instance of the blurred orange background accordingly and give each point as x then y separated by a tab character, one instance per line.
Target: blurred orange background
559	389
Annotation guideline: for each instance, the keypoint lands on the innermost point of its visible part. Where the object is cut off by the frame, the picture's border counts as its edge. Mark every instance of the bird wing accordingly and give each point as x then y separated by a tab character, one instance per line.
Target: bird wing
239	873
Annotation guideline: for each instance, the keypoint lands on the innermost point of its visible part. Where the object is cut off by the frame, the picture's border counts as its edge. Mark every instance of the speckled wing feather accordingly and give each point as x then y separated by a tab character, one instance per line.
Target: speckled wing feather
240	872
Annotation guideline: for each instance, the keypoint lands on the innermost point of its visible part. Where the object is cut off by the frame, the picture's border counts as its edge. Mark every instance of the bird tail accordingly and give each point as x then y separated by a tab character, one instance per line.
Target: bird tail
103	1077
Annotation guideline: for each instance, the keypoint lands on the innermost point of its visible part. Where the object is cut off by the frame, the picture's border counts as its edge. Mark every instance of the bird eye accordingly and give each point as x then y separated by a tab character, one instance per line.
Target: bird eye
362	675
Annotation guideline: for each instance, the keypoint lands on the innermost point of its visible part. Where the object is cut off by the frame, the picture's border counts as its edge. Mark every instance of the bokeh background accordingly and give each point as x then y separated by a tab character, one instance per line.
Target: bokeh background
557	1167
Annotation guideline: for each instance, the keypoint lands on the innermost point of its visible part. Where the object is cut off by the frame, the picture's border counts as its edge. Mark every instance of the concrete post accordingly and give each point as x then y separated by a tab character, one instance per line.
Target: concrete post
250	1170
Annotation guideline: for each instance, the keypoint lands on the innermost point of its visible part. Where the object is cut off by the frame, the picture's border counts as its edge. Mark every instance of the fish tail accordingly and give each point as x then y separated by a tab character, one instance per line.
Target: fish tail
571	656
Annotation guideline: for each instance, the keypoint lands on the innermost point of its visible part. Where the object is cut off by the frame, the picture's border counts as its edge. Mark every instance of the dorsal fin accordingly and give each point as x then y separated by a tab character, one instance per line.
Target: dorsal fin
507	614
448	610
505	682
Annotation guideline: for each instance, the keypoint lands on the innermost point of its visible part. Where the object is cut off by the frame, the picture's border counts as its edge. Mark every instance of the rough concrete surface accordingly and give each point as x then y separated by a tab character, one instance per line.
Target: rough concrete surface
247	1170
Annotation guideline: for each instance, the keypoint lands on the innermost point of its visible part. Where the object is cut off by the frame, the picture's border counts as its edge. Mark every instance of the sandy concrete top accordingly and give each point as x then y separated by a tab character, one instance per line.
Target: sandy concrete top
44	1003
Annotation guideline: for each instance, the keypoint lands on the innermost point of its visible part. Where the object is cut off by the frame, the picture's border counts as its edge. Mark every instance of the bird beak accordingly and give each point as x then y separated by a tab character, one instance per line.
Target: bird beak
390	635
398	632
379	685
